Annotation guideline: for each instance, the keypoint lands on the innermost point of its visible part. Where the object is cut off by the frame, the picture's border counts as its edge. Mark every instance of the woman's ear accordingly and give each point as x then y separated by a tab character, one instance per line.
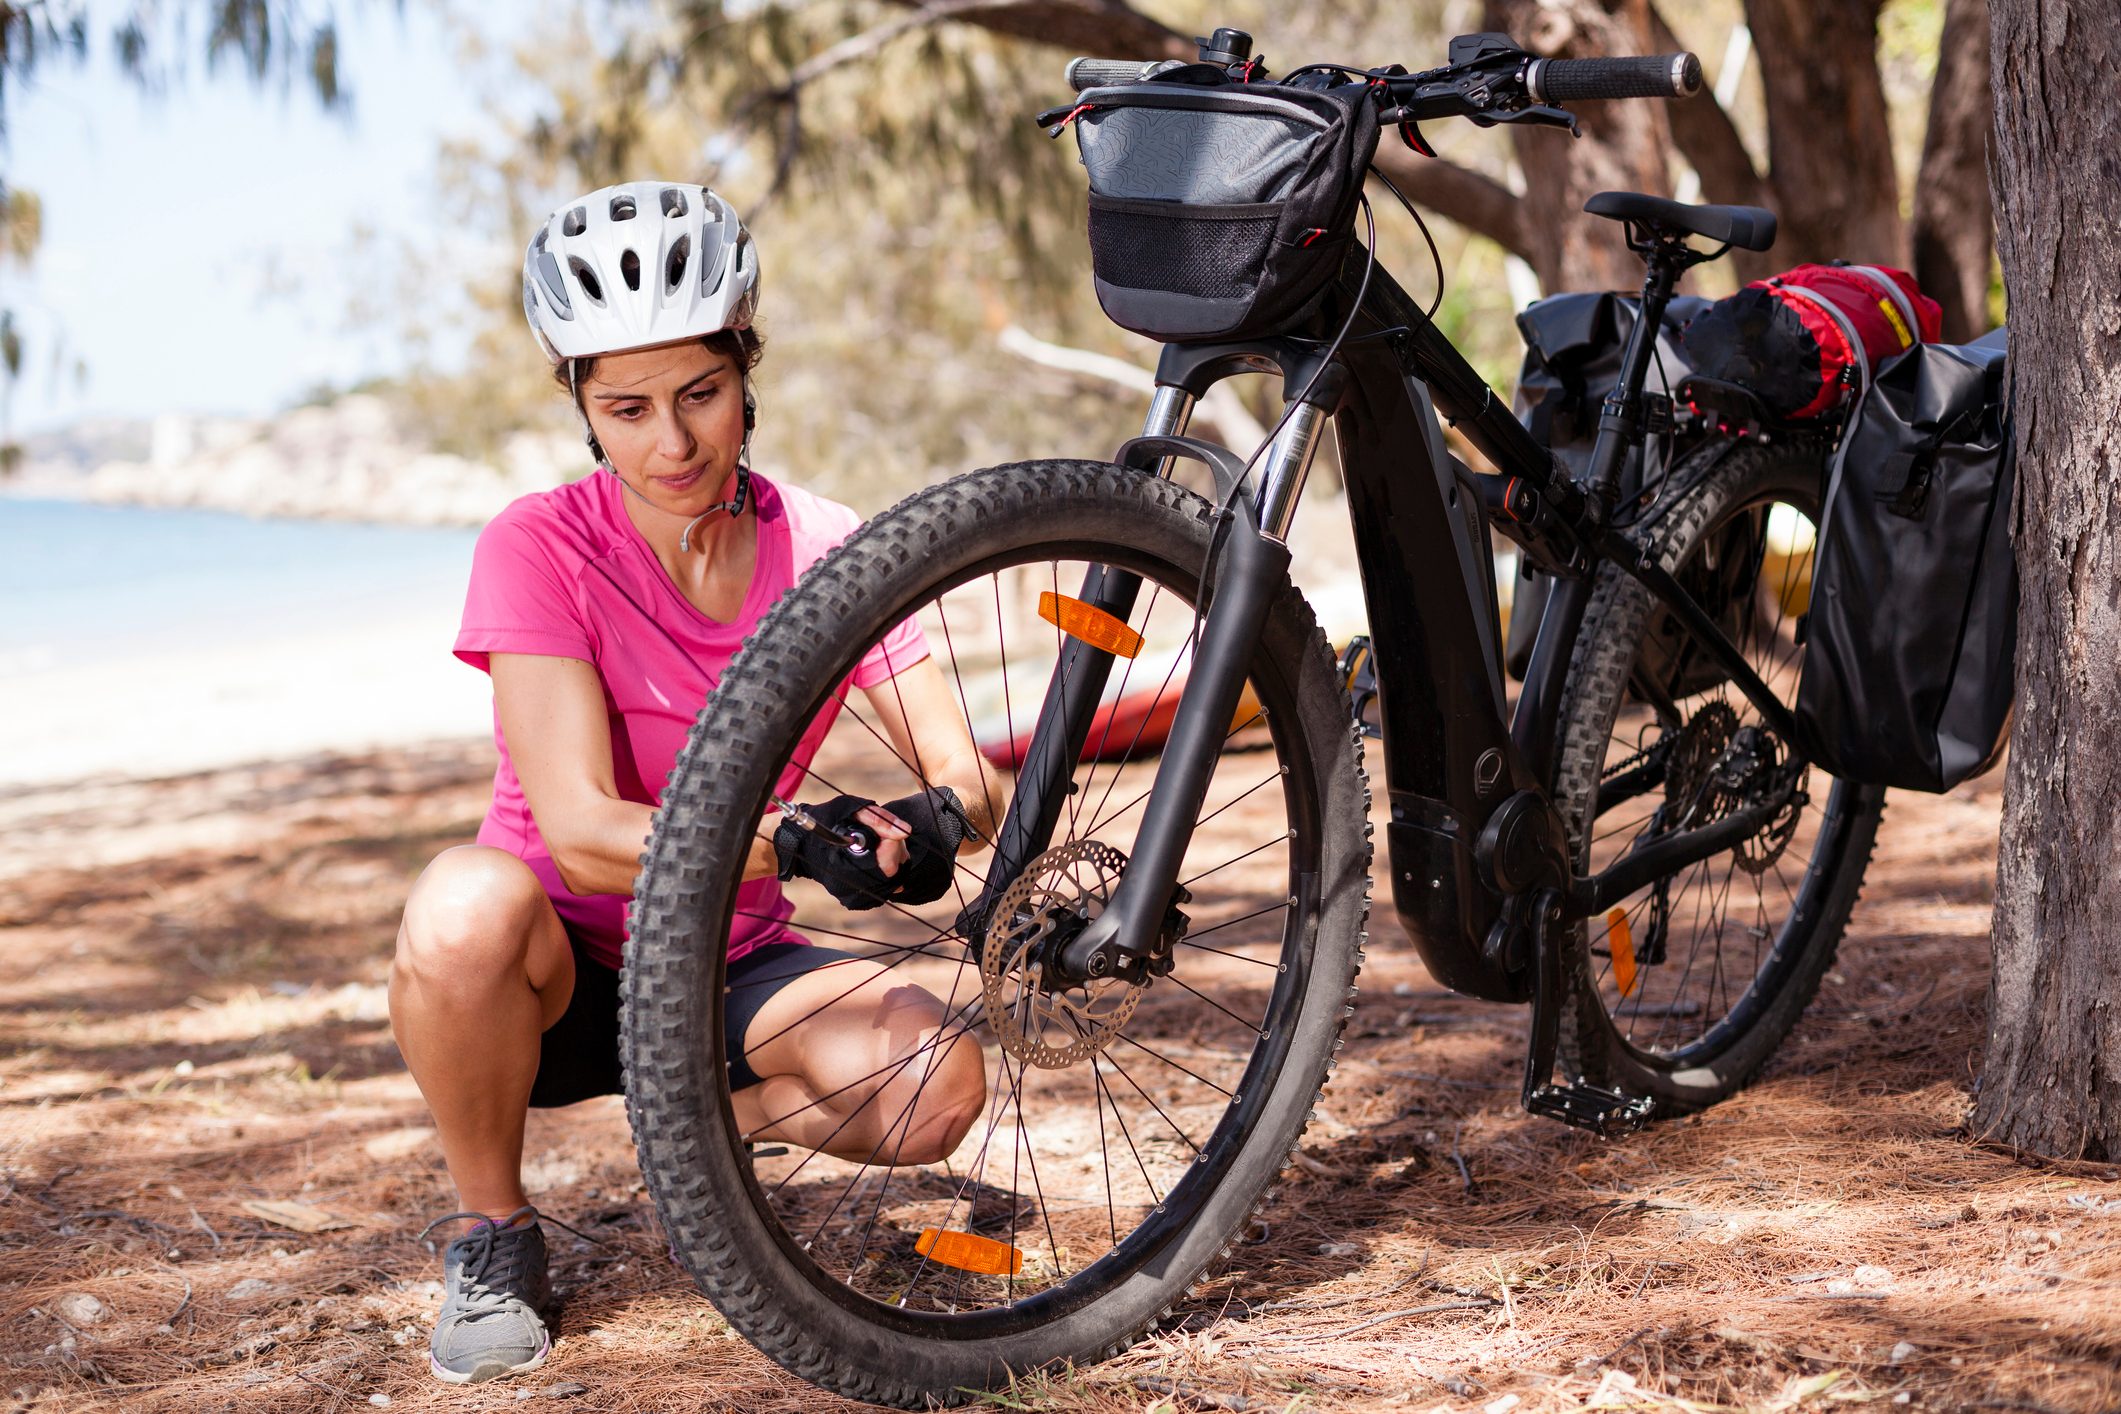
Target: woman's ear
751	410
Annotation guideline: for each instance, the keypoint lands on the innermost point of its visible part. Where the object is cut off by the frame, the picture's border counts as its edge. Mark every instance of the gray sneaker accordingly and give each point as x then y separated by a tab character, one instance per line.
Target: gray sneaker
494	1290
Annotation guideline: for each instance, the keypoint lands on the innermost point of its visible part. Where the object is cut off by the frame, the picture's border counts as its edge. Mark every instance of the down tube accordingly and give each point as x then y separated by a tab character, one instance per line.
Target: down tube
1429	585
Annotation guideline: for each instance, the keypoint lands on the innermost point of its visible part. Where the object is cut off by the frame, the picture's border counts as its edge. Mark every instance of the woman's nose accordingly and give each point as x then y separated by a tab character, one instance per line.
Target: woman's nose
673	439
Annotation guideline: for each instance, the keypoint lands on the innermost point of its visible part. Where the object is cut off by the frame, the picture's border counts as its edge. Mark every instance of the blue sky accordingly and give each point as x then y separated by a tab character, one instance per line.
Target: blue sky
199	248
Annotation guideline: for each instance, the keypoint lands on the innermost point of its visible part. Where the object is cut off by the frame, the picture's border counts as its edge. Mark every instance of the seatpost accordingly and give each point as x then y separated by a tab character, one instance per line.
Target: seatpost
1620	420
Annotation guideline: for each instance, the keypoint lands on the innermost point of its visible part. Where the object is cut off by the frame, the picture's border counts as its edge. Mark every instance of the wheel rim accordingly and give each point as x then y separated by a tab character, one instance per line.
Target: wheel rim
1076	1172
1730	925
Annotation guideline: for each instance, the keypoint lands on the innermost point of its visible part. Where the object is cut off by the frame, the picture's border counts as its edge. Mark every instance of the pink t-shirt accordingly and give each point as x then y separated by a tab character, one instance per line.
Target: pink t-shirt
565	573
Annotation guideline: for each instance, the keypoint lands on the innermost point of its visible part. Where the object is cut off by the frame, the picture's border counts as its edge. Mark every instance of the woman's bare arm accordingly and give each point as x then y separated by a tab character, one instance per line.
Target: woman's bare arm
926	725
552	716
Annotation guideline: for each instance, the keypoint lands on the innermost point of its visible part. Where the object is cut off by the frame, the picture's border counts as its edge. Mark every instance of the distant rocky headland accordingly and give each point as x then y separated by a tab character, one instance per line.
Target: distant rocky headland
347	460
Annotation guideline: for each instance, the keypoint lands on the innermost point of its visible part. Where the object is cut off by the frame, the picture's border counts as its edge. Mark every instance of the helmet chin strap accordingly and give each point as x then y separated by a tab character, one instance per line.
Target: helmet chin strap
734	506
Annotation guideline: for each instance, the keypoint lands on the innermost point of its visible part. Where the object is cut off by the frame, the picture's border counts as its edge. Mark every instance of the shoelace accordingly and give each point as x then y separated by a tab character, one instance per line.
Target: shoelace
493	1269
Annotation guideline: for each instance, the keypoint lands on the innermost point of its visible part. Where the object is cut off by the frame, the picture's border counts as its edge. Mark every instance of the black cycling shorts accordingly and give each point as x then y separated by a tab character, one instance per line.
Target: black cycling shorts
578	1056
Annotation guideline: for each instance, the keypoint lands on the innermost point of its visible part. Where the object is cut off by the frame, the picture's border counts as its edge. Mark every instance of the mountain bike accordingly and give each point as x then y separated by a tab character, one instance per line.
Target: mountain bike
1157	947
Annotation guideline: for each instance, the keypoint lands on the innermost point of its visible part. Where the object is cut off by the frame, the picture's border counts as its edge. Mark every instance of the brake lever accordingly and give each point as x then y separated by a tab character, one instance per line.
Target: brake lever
1539	114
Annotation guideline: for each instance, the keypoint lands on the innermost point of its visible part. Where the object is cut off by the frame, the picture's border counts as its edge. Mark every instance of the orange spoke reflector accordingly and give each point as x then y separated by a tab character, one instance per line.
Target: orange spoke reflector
1621	939
1089	623
967	1252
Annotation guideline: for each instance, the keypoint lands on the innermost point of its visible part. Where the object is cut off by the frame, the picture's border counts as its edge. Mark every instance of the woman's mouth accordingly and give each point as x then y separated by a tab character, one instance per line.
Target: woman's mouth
681	483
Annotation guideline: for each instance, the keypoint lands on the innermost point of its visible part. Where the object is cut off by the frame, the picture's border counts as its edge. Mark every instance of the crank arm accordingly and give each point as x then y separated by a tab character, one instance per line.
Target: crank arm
1604	1112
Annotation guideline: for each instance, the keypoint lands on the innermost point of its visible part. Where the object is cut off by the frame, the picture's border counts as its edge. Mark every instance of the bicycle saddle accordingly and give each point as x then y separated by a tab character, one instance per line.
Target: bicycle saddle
1747	227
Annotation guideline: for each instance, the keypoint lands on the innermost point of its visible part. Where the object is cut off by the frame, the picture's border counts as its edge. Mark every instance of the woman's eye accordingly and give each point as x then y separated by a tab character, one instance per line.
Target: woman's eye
702	395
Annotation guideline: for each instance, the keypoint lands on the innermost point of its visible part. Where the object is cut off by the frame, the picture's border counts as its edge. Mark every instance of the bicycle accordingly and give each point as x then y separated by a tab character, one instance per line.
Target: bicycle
1161	1019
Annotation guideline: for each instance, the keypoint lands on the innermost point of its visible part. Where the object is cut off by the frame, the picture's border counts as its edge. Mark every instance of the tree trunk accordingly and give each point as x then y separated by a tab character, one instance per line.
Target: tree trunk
1954	230
1622	148
2051	1081
1831	161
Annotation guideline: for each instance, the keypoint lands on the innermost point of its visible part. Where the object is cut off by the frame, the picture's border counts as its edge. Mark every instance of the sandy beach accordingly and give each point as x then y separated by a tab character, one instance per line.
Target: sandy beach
361	685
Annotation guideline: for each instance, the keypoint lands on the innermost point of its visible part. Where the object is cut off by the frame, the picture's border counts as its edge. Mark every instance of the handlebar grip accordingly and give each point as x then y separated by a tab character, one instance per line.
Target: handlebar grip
1100	73
1646	76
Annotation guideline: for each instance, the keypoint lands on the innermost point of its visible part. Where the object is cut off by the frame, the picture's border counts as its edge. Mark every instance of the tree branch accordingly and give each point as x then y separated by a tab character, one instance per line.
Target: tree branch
1109	29
857	47
1221	406
1706	137
1480	204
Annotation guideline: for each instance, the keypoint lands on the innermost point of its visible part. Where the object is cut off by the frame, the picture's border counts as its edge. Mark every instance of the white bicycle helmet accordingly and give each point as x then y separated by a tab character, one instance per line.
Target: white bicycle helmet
635	265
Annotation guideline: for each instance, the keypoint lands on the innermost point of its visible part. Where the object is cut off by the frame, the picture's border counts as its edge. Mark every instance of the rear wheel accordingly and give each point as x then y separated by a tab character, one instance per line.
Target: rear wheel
1129	1130
1683	990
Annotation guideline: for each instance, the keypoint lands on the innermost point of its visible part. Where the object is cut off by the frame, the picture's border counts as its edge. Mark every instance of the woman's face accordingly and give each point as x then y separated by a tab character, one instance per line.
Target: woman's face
671	422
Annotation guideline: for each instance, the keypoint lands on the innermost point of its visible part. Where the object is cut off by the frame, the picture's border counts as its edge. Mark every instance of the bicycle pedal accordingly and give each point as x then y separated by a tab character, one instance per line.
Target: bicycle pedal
1604	1112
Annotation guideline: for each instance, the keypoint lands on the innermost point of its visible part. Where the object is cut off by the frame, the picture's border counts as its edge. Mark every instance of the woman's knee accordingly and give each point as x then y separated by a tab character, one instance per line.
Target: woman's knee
952	1095
474	913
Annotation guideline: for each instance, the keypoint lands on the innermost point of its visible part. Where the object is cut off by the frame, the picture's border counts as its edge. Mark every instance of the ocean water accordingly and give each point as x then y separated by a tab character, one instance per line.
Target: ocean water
84	583
149	643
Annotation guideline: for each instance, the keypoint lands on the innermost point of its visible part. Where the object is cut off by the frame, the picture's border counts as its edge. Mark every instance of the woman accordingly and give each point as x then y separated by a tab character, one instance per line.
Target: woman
605	610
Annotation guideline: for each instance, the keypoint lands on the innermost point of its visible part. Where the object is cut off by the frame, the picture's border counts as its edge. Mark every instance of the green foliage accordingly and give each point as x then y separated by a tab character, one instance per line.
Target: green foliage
906	208
271	41
21	224
282	41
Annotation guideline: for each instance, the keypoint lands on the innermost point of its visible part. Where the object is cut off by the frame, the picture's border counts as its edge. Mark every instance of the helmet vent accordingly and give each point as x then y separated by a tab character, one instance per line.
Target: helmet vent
586	278
622	208
674	263
673	202
630	268
555	288
574	222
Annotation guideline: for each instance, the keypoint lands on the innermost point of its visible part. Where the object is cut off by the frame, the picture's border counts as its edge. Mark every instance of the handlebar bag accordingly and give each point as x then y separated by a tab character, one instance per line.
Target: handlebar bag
1804	340
1220	210
1913	625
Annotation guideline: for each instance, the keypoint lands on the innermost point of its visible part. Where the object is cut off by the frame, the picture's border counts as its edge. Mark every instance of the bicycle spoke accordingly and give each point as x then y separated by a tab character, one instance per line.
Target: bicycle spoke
1080	1146
1193	939
1151	1050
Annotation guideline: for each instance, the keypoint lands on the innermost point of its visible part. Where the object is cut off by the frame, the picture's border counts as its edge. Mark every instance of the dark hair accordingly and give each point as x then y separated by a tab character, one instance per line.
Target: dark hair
743	347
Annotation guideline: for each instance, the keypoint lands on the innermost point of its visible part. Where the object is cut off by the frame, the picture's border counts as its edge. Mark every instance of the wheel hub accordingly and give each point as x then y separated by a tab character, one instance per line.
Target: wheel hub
1040	1014
1718	767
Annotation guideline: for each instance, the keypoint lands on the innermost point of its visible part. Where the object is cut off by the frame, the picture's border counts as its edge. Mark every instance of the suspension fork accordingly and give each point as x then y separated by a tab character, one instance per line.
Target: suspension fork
1045	778
1250	570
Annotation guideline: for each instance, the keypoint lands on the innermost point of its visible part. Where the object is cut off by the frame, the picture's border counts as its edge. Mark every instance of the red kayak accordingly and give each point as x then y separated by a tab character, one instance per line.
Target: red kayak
1132	727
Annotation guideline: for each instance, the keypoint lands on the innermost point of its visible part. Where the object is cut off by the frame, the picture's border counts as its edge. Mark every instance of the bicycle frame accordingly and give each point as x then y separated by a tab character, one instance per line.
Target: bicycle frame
1479	864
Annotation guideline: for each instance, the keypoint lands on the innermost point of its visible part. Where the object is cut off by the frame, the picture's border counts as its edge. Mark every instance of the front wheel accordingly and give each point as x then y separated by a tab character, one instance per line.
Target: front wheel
1129	1130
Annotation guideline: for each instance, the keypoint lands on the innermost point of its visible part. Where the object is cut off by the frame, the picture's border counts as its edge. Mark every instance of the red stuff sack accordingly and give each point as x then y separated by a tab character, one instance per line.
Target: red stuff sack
1802	342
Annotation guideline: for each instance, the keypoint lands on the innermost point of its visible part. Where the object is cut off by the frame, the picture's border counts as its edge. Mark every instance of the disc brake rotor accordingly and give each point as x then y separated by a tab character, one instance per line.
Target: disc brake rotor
1062	889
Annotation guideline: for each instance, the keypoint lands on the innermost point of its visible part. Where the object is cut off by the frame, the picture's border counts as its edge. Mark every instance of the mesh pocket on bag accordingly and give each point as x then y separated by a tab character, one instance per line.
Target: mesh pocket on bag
1208	252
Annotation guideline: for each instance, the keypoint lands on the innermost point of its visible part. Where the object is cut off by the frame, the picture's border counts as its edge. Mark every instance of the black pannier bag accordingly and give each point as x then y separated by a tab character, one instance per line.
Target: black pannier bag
1219	210
1572	349
1913	622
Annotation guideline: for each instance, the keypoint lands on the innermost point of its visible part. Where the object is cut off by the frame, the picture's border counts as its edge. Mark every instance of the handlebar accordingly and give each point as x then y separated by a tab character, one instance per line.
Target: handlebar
1490	81
1100	73
1649	76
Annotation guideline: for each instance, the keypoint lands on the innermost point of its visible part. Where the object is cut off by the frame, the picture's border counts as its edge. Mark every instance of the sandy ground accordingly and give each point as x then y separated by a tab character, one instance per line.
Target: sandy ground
192	1018
369	677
